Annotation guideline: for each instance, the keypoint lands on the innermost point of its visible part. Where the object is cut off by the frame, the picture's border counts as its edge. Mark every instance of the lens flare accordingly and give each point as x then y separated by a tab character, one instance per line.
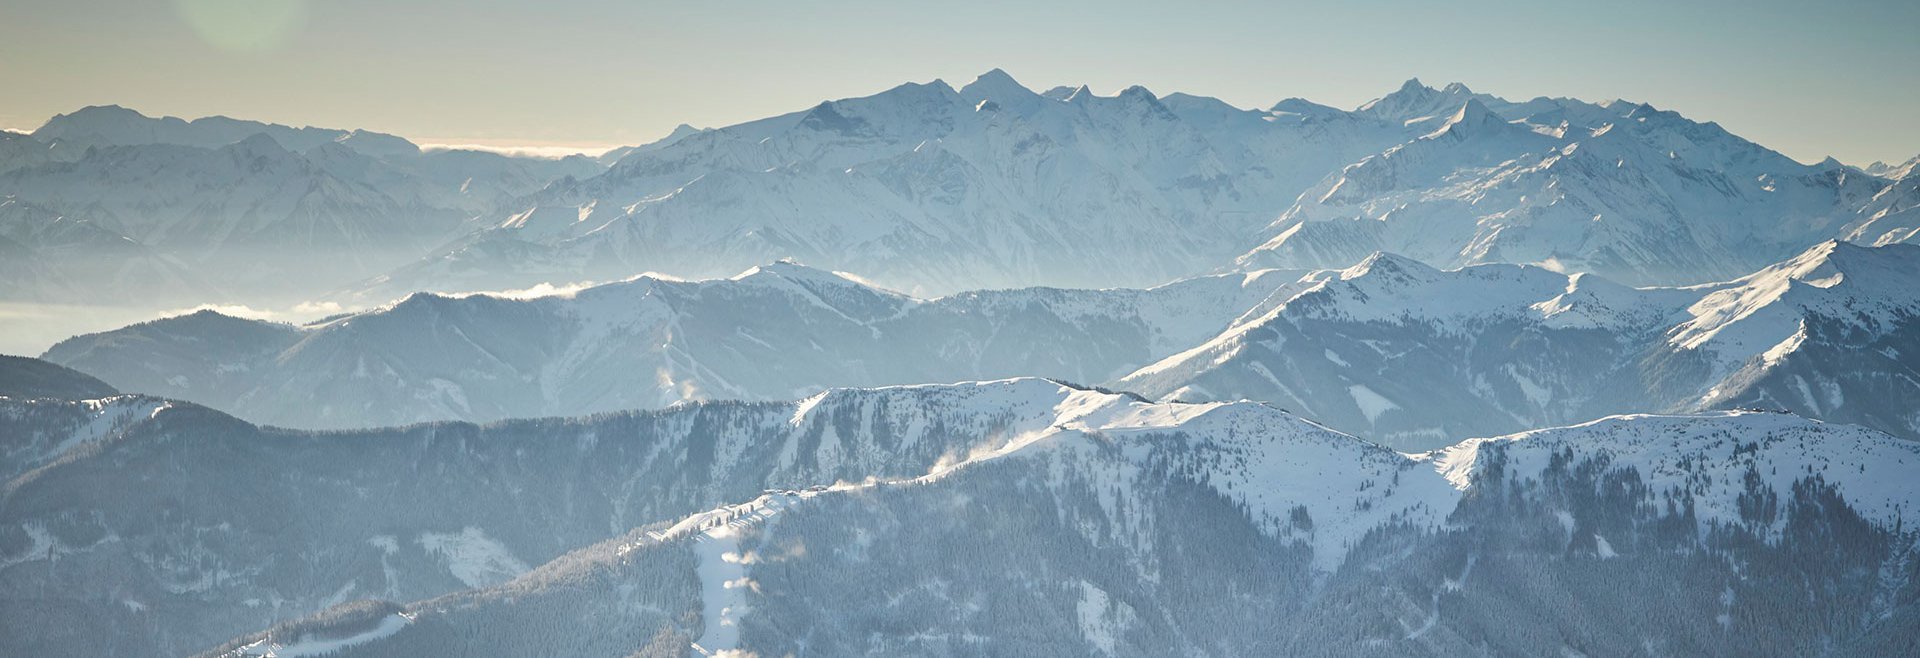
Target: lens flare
243	25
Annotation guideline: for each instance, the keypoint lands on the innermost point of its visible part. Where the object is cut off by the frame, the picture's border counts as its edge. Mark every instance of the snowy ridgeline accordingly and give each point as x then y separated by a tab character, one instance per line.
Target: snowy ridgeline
931	188
1390	349
998	517
926	188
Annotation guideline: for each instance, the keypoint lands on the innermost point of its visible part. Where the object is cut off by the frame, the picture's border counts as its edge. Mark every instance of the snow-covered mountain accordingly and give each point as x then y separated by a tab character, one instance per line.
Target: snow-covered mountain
1404	353
1639	195
929	189
1893	171
258	208
1069	533
1893	216
777	331
933	189
1019	516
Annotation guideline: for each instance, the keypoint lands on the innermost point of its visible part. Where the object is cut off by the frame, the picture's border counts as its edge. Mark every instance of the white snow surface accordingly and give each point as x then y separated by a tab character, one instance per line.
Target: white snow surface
473	557
1764	311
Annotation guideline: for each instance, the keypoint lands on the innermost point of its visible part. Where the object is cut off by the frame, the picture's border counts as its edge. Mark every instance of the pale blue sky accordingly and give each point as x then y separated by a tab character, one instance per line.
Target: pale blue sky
1808	78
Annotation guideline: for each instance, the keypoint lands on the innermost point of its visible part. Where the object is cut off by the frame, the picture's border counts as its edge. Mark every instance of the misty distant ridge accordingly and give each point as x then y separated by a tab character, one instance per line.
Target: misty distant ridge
1389	348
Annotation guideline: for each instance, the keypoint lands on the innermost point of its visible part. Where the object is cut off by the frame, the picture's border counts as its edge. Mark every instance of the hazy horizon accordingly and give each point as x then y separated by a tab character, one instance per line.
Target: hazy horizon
600	74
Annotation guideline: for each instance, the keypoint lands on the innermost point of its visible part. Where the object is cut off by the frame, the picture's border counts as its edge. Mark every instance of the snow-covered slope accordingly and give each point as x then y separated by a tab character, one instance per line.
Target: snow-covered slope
1404	353
1639	195
1724	462
1893	216
776	331
1131	528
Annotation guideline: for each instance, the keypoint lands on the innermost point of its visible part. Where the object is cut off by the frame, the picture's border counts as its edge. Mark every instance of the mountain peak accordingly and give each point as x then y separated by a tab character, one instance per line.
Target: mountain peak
1382	263
1823	261
1303	107
793	270
1835	279
1411	100
1470	119
993	82
257	145
93	119
1001	90
108	110
378	144
1890	170
826	117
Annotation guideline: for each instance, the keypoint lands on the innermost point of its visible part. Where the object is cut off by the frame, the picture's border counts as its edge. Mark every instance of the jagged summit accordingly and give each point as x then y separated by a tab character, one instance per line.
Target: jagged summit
1414	100
1472	118
1892	171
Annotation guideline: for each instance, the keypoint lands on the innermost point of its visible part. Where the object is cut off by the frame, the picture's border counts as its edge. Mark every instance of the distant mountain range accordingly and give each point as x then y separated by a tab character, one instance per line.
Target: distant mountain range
108	205
932	190
1390	349
777	331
